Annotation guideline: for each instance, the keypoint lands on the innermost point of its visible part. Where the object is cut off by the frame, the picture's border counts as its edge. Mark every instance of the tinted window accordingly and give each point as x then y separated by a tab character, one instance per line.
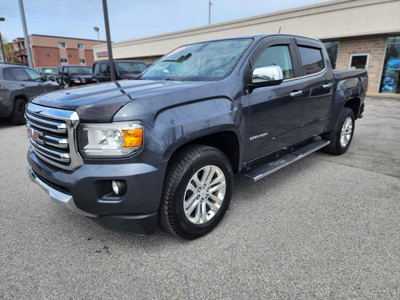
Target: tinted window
332	47
276	56
311	59
34	76
103	69
19	74
7	74
130	67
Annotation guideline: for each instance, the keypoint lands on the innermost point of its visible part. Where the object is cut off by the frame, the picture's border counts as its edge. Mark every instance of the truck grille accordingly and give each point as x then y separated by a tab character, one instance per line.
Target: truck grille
51	133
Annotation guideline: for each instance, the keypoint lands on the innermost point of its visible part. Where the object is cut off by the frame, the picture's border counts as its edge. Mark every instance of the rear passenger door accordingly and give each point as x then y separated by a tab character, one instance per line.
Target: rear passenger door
102	72
317	89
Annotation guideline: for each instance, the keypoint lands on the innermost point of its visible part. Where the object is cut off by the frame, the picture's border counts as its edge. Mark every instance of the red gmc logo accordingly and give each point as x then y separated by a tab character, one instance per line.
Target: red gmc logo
35	135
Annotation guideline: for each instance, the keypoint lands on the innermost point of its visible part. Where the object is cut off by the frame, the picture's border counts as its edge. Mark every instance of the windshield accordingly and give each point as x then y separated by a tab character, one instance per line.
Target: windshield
80	70
203	61
49	71
130	67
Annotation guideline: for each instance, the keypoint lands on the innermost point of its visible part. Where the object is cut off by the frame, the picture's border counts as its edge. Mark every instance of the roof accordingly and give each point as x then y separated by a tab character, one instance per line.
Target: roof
66	37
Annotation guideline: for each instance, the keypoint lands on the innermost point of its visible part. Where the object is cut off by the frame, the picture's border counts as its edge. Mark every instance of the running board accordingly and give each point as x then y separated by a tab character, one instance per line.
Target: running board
269	168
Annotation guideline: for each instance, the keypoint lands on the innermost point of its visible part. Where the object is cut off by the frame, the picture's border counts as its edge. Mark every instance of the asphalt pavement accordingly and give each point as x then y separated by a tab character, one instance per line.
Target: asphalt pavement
326	227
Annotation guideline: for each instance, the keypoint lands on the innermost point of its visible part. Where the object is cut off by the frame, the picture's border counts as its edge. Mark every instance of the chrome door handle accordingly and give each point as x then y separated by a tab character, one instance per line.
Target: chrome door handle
296	93
327	85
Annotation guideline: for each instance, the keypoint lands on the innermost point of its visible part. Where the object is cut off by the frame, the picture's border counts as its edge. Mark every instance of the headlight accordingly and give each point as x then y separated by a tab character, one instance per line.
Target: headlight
77	81
110	139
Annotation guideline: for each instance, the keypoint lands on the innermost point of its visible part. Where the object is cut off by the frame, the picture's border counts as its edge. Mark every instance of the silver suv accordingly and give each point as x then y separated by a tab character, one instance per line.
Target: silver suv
18	84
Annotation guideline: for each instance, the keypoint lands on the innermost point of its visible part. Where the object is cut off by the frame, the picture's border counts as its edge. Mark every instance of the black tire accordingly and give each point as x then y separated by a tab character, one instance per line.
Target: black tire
184	165
18	114
336	147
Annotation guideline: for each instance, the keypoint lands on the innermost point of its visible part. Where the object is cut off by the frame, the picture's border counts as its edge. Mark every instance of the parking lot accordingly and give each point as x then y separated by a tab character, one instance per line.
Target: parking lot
324	227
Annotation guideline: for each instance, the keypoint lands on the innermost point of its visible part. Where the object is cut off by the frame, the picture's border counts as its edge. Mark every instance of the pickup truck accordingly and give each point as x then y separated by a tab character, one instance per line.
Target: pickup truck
73	75
164	148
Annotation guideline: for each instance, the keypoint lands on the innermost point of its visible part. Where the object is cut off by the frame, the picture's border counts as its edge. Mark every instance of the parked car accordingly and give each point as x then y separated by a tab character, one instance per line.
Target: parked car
18	84
126	69
72	75
164	148
47	72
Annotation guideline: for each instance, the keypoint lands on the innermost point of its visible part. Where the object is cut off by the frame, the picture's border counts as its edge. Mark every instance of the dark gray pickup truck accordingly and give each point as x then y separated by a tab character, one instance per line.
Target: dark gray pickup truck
163	149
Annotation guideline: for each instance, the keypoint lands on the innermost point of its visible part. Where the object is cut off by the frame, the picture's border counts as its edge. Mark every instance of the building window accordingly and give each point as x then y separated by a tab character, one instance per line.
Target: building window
359	61
82	61
332	47
311	59
81	47
62	45
63	60
390	81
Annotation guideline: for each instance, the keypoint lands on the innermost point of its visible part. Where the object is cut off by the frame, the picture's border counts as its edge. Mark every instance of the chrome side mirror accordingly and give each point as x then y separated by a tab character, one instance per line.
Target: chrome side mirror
270	75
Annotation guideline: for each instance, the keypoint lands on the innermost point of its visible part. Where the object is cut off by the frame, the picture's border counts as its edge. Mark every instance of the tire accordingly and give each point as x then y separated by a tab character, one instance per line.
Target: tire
342	135
189	206
18	114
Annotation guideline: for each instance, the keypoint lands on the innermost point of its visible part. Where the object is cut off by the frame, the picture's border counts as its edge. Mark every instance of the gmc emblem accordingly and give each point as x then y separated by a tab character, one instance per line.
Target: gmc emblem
35	135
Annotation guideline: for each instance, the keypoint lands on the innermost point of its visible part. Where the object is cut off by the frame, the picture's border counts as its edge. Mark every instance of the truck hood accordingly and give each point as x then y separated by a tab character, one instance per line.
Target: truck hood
100	102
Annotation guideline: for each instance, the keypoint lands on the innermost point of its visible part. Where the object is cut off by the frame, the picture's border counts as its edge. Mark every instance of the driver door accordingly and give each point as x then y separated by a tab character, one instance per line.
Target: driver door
273	113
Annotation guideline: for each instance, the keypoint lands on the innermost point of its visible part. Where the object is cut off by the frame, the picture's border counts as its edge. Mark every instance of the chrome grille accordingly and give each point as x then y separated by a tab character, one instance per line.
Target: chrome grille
51	133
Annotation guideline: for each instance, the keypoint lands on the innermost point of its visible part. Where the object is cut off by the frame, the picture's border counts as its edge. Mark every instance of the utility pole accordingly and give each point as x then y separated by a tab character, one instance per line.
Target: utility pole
1	43
27	45
109	49
209	11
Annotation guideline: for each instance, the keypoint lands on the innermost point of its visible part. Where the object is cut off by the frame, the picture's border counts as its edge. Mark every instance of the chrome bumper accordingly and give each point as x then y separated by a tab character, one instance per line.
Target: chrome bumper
61	198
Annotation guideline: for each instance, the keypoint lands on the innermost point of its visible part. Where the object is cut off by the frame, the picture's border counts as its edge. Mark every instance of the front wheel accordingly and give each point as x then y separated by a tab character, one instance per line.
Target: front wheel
197	191
18	114
342	135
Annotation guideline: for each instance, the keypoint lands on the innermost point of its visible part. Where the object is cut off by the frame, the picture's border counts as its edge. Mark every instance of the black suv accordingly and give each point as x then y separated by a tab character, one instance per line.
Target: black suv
73	75
18	84
126	69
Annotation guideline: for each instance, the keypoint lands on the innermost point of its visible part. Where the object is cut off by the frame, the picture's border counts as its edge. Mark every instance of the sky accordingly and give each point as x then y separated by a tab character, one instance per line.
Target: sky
129	19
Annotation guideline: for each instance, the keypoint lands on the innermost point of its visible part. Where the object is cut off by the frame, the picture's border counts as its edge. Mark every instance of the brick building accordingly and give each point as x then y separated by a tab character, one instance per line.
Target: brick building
51	51
357	34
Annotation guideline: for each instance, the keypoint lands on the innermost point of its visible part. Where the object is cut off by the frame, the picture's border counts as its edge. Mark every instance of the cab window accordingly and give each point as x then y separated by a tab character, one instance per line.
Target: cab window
19	74
311	60
7	75
277	56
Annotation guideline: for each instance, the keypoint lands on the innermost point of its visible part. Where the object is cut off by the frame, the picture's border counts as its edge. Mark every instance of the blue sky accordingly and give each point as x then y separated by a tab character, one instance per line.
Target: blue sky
128	18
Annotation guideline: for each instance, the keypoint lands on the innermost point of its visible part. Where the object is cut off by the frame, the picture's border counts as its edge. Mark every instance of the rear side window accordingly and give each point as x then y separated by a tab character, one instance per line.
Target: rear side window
276	56
311	60
7	75
20	75
103	69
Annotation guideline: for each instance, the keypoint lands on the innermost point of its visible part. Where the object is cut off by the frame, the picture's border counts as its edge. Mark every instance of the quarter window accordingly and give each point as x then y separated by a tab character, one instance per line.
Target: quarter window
276	56
62	45
311	60
7	75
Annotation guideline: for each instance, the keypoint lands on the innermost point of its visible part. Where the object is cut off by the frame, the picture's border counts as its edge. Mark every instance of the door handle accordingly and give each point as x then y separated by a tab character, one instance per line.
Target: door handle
327	85
296	93
22	85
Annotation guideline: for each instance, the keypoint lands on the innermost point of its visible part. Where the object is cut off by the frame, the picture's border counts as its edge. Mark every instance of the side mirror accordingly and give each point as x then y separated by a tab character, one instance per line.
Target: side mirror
266	76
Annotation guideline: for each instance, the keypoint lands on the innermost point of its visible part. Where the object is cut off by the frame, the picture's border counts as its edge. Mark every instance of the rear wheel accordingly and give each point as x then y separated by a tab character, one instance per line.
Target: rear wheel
197	191
18	114
342	135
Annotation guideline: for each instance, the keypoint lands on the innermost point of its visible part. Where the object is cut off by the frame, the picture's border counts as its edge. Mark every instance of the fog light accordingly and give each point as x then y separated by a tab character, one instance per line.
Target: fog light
118	187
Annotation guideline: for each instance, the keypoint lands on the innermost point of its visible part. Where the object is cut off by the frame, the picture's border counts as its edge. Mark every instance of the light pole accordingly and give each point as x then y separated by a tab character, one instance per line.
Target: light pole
1	42
97	29
27	46
109	49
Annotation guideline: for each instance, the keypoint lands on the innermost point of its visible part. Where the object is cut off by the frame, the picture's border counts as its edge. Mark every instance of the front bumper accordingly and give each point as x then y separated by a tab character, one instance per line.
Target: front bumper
135	212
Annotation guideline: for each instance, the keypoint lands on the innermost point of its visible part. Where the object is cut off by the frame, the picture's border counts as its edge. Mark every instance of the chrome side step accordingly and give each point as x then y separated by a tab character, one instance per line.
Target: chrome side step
271	167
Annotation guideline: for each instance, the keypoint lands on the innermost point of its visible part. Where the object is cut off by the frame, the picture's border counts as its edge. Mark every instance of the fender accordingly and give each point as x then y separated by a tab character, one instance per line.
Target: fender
179	125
